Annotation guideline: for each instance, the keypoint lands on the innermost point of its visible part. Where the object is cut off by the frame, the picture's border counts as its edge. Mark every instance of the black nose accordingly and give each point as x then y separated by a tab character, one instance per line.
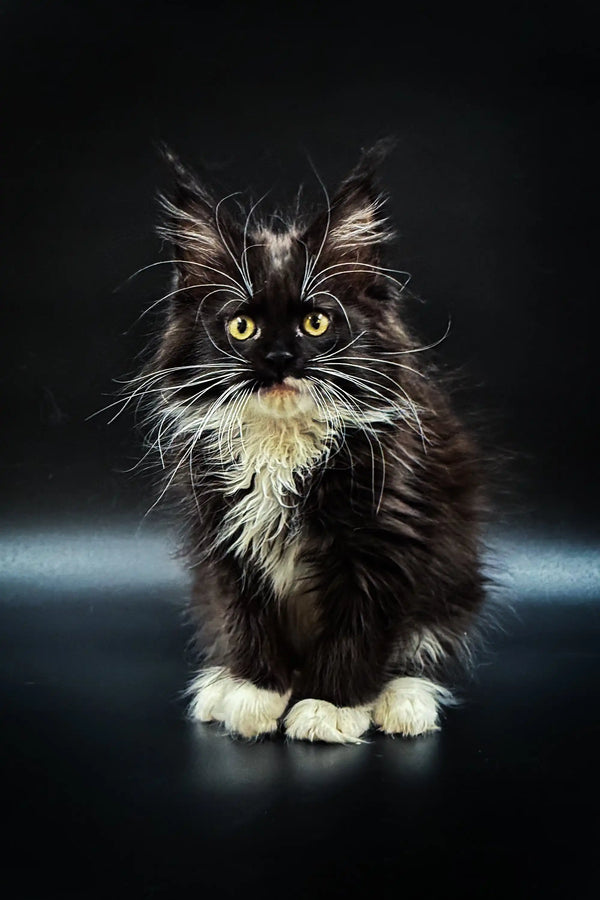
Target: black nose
279	357
279	360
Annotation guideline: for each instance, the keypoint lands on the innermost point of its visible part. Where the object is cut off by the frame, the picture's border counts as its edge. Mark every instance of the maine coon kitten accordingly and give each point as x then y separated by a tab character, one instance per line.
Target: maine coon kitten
332	498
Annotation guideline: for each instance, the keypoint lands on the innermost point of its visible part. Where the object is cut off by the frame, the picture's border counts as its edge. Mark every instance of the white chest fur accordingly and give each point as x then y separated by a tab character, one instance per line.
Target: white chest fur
279	443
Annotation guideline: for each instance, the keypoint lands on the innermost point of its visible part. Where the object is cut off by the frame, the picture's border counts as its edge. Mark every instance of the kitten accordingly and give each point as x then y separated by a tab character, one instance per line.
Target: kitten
332	500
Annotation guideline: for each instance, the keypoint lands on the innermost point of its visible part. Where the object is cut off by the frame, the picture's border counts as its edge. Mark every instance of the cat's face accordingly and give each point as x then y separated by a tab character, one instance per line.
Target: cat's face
295	316
277	327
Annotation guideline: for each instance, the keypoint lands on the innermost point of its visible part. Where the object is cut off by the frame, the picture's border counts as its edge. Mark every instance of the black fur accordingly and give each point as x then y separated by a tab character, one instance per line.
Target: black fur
390	522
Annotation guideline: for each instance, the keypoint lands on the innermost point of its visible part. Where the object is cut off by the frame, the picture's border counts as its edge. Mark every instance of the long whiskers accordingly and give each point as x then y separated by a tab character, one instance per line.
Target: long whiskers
312	263
197	429
147	384
244	257
321	277
348	410
245	278
219	288
349	360
337	300
332	353
421	349
394	408
235	286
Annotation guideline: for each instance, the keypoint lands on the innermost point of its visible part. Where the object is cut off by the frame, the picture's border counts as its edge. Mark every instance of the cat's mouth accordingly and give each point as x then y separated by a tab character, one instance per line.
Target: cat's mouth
285	398
289	385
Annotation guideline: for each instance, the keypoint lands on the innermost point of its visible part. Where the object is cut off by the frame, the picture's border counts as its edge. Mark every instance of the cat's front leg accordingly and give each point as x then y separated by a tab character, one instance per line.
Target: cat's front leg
246	684
343	674
410	704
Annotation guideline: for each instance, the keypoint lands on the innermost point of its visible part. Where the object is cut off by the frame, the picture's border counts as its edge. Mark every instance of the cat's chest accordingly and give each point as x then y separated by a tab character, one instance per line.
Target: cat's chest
269	469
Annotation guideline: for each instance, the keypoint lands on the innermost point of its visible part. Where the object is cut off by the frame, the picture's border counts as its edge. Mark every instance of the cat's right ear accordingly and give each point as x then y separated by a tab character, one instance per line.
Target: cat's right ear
199	230
355	225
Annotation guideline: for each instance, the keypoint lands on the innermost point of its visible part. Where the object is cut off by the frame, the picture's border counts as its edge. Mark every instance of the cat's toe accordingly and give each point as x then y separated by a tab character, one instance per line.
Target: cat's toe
240	706
409	706
208	692
251	711
318	720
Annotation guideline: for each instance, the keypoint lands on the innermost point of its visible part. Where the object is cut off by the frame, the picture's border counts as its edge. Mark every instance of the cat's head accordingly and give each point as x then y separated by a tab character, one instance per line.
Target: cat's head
287	315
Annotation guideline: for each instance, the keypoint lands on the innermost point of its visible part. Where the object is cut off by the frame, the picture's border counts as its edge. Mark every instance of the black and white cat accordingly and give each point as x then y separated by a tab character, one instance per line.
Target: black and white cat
332	500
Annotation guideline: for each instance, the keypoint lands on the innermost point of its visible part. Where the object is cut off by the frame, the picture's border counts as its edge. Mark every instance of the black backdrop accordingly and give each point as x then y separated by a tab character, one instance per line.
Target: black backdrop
494	193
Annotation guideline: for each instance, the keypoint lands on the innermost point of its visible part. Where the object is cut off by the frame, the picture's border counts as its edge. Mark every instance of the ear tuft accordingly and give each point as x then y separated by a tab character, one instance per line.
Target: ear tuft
372	158
186	186
191	221
359	226
358	221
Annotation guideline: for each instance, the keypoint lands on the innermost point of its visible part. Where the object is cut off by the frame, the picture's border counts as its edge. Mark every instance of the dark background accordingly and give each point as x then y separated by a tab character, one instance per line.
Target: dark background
494	189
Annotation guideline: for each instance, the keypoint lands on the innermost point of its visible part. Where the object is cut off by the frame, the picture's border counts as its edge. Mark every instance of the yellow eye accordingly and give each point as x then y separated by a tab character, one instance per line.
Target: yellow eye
315	323
241	327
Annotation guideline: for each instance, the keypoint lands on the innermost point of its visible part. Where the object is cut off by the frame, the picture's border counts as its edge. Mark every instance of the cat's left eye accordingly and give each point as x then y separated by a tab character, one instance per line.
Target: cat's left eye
241	327
315	323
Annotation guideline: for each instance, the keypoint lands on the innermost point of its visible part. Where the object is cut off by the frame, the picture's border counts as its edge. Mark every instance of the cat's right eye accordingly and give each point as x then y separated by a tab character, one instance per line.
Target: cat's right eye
315	323
241	327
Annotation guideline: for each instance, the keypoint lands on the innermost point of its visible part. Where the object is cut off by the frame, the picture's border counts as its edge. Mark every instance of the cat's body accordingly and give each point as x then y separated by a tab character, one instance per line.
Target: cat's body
332	499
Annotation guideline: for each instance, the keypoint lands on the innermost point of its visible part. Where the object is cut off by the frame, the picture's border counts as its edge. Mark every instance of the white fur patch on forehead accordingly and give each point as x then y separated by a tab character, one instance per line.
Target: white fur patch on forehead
360	227
278	245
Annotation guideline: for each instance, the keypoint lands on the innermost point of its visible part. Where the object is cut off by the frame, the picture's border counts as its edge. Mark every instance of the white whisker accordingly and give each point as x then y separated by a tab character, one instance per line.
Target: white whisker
399	389
145	387
169	371
321	278
189	287
343	360
246	281
421	349
197	429
332	353
311	265
360	265
235	356
236	286
357	418
337	300
244	257
355	380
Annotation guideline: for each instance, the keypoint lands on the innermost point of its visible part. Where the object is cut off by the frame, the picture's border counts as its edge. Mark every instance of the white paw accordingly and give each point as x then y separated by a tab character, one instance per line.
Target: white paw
243	708
318	720
409	706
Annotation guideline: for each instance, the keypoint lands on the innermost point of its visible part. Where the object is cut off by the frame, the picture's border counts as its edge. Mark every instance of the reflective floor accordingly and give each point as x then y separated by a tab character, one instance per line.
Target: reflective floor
107	784
107	791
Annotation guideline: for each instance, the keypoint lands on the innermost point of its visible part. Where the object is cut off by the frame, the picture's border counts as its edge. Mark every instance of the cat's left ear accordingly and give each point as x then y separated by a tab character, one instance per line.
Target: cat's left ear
356	224
200	234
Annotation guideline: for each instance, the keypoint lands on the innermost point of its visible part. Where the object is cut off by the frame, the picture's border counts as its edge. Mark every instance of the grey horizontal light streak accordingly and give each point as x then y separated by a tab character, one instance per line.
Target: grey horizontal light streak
538	568
77	559
82	559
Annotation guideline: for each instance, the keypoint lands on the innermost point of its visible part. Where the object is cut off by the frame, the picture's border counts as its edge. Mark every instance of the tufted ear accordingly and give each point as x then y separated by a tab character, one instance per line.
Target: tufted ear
355	226
201	233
